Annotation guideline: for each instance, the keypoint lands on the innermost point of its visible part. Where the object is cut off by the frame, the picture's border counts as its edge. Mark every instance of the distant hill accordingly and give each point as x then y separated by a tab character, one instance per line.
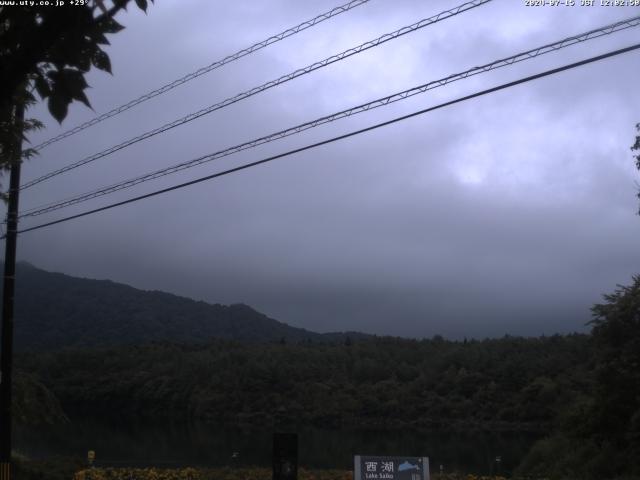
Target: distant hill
55	310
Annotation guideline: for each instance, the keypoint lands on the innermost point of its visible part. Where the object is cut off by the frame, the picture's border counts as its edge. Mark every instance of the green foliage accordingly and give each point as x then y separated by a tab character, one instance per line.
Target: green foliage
559	457
599	433
616	409
53	48
60	468
503	384
49	50
255	473
13	132
33	403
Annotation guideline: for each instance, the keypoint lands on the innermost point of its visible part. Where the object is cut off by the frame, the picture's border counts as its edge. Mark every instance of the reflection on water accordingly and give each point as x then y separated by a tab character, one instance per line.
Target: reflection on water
170	445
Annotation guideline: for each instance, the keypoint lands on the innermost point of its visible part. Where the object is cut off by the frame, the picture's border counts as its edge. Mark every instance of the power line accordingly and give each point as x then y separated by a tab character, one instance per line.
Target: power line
527	55
342	137
201	71
273	83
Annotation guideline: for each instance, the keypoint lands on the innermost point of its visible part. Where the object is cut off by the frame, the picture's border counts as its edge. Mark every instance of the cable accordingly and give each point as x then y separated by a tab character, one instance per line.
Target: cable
596	33
273	83
341	137
228	59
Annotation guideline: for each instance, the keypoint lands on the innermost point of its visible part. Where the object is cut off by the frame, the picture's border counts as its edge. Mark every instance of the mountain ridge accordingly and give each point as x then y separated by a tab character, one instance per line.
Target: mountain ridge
55	310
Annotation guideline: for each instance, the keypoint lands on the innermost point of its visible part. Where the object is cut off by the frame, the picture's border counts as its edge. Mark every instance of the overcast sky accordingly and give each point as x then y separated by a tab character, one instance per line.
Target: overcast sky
508	214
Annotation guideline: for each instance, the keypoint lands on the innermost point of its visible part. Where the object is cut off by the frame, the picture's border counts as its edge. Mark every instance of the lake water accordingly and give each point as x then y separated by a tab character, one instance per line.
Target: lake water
170	445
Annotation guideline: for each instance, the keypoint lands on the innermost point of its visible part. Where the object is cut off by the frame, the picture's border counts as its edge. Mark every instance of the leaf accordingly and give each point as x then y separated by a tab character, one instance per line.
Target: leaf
142	5
68	85
82	97
84	60
58	106
73	80
111	26
100	39
29	99
101	61
32	124
27	153
101	6
73	84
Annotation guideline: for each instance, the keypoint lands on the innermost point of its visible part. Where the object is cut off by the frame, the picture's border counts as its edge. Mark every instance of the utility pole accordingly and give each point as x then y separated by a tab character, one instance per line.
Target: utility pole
6	357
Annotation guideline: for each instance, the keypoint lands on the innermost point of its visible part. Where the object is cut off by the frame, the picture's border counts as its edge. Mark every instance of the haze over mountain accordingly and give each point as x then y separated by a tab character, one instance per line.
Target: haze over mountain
54	310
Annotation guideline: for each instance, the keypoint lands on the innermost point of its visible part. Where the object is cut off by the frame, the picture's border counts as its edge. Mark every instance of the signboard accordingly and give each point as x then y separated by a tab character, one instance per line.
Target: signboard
285	456
390	468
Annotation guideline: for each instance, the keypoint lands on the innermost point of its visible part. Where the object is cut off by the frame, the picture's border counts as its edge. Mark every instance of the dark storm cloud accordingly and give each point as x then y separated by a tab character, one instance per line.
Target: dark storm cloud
512	213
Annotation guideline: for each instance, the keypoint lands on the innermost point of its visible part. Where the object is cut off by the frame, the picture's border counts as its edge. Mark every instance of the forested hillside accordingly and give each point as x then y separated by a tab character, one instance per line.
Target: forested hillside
508	383
104	349
55	310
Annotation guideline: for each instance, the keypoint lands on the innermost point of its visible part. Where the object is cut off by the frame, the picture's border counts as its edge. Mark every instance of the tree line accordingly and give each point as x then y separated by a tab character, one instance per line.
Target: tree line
509	383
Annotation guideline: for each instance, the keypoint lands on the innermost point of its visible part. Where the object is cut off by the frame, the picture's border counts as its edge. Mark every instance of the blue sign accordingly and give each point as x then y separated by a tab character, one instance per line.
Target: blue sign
390	468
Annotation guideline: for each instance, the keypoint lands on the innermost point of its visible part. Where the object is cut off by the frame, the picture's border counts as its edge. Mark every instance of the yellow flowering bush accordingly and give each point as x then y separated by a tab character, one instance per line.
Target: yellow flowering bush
248	473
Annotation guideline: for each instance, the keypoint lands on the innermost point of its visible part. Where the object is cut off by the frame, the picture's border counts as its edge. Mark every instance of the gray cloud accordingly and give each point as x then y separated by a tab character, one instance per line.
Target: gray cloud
511	213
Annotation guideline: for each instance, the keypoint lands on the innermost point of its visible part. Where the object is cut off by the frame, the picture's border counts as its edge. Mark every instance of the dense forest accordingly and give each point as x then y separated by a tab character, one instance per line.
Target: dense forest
510	383
580	392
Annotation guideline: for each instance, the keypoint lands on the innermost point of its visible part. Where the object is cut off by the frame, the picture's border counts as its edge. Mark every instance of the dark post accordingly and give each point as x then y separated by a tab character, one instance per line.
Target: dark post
285	456
6	357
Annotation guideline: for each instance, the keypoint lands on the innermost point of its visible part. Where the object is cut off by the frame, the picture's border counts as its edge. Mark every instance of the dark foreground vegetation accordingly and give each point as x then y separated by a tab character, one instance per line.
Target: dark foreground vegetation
51	469
260	473
237	474
599	436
